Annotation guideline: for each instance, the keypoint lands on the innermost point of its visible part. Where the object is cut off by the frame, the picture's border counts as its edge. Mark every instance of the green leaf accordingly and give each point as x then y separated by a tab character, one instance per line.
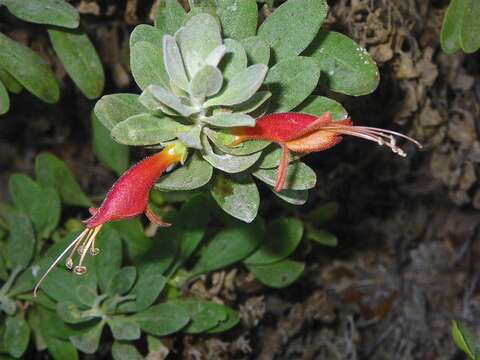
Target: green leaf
194	174
204	315
278	275
41	205
229	120
257	100
291	81
206	82
283	237
10	82
199	36
272	156
60	349
222	139
132	232
4	99
323	213
16	336
21	241
29	69
124	328
346	67
146	290
226	162
80	59
145	129
88	341
70	313
299	176
162	319
465	339
51	12
52	172
239	18
158	257
241	87
174	62
170	16
232	320
146	63
111	154
230	245
8	306
122	281
471	27
237	195
452	26
322	237
123	351
108	263
191	137
235	59
319	105
189	228
149	34
258	51
293	26
112	109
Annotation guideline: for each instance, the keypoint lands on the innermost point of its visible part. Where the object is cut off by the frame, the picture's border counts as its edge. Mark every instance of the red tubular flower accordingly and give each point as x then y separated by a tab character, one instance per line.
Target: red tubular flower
127	198
304	133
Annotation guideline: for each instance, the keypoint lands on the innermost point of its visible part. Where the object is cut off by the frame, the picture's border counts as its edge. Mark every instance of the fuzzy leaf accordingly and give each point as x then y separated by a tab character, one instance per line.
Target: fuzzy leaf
60	349
29	69
147	65
226	162
191	137
4	99
174	62
258	51
293	26
471	27
123	328
149	34
124	351
88	341
241	87
206	82
216	55
234	243
291	81
122	281
319	105
80	59
111	154
10	82
169	99
170	16
235	59
108	263
194	174
204	315
52	172
283	237
21	241
41	205
51	12
237	195
278	275
345	66
233	318
239	18
258	99
146	290
200	35
272	156
16	336
229	120
145	129
112	109
162	319
299	176
132	233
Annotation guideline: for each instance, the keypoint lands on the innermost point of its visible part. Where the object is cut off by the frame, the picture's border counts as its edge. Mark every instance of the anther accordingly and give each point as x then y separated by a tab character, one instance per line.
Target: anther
94	251
69	264
80	270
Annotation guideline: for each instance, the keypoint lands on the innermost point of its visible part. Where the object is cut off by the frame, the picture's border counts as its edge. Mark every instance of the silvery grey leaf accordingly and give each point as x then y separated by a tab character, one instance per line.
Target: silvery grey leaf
181	105
229	120
216	55
174	63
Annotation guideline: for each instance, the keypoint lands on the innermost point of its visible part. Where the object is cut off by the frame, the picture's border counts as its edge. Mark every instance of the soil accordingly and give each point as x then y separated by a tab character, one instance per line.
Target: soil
406	263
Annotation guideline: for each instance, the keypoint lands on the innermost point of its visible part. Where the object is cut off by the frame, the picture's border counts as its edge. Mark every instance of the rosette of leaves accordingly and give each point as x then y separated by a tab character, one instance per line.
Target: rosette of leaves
21	67
211	69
